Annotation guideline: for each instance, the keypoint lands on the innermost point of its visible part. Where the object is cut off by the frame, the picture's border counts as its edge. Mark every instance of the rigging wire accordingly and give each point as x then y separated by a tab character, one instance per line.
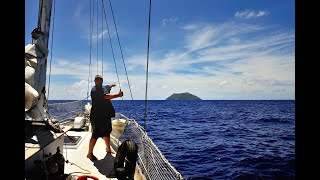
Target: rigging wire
52	33
145	108
102	38
146	92
52	36
114	59
90	61
111	48
71	163
115	26
97	39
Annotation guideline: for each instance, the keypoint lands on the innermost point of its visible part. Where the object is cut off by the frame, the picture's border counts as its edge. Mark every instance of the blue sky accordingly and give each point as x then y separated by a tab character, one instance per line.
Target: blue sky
216	50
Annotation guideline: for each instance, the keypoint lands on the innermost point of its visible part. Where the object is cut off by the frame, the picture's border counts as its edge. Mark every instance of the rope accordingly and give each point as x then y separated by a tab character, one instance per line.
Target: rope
145	108
97	38
67	161
114	59
91	28
52	35
71	163
146	92
102	40
115	26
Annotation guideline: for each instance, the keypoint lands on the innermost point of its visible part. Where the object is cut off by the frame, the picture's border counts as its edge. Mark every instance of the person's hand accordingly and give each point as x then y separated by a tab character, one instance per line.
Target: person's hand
120	93
112	85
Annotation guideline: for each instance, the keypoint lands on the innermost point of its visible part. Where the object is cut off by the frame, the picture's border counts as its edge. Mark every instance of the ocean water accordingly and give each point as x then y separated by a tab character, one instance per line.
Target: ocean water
221	139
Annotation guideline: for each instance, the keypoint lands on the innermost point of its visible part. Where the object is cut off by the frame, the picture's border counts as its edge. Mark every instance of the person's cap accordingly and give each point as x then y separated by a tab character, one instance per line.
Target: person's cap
98	76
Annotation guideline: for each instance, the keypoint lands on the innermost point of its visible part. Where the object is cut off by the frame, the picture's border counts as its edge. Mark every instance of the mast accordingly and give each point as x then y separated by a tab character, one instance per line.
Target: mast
36	66
44	15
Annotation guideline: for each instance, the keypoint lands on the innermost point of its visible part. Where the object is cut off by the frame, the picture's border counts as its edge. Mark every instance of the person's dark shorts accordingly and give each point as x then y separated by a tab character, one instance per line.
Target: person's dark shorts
100	130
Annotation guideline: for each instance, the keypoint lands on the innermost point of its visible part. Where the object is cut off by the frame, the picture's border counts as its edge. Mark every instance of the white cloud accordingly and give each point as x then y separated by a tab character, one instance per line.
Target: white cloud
80	85
80	17
101	35
222	61
189	27
223	83
201	38
280	90
250	64
211	35
167	21
248	14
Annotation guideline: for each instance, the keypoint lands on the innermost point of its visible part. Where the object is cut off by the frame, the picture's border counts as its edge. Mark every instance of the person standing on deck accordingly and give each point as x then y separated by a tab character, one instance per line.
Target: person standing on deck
101	113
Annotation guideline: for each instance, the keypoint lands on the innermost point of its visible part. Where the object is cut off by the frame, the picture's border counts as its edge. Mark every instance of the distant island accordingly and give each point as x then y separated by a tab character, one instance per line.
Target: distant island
183	96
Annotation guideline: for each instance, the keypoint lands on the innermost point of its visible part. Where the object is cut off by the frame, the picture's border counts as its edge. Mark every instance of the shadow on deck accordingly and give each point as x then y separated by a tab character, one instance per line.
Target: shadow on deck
105	166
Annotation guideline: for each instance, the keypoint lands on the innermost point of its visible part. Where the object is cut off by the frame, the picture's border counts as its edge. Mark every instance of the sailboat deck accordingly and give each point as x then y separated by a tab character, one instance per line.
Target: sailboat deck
78	164
38	136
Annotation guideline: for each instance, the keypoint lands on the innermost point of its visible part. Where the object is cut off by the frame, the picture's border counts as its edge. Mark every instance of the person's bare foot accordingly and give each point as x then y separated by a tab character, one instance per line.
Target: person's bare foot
110	150
92	157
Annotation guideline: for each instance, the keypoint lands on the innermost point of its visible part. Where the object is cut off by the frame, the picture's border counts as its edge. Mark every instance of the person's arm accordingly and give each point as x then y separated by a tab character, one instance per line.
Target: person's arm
112	96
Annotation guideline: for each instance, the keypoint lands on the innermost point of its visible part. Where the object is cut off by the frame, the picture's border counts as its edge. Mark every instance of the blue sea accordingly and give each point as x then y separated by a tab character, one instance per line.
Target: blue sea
221	139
